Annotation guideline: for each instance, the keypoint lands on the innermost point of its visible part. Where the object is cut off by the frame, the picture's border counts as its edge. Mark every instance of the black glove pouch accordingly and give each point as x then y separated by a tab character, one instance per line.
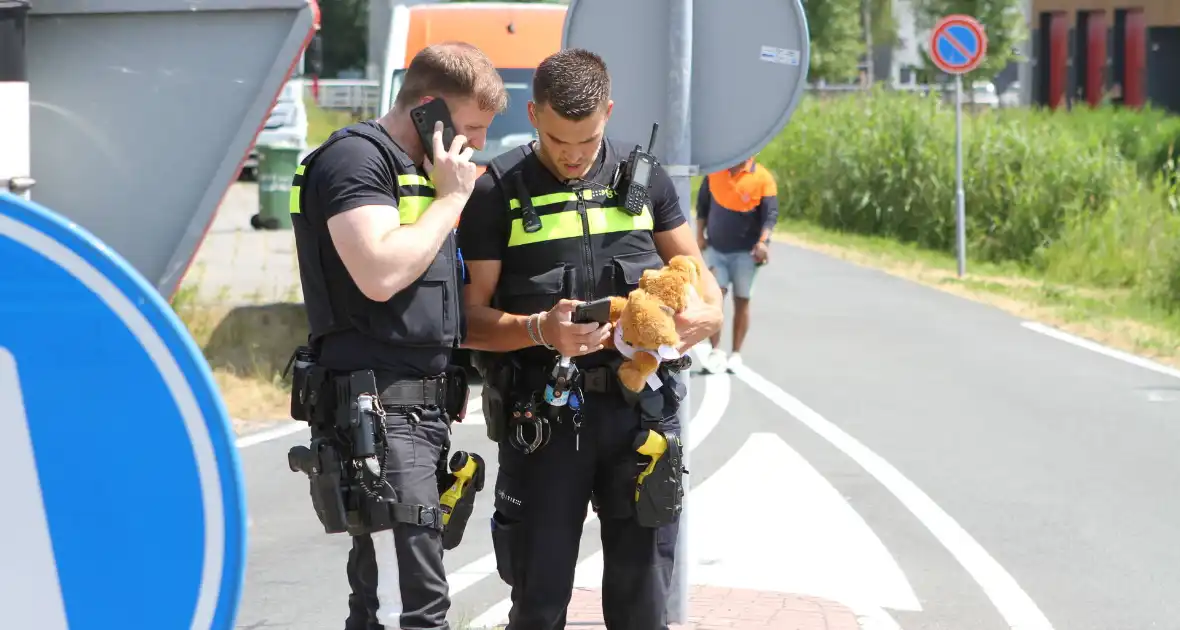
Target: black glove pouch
457	393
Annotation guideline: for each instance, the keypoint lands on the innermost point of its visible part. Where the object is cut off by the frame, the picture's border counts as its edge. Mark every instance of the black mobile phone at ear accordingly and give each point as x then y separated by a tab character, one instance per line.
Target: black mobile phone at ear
425	116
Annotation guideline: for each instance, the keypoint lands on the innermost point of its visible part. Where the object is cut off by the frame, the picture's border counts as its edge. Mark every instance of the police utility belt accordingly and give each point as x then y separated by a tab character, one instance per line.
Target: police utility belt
346	460
520	404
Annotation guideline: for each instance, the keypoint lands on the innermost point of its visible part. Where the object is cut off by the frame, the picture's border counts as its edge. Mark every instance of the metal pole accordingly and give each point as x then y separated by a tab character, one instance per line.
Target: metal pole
14	99
679	154
960	197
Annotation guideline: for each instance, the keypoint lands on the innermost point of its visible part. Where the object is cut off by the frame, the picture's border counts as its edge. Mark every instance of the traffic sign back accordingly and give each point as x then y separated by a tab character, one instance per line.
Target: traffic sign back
958	44
749	71
118	451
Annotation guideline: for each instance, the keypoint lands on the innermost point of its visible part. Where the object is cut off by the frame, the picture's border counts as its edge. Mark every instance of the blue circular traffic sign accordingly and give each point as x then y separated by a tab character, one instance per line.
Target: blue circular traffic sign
125	504
958	44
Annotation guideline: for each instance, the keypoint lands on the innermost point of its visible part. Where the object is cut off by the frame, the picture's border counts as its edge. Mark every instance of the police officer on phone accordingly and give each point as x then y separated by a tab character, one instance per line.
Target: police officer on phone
374	210
548	228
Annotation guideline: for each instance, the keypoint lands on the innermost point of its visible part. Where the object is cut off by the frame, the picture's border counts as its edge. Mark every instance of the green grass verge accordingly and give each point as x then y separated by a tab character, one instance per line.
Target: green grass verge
1119	318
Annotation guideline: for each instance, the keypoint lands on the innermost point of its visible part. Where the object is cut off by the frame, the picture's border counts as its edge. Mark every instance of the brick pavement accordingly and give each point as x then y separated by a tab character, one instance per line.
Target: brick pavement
716	608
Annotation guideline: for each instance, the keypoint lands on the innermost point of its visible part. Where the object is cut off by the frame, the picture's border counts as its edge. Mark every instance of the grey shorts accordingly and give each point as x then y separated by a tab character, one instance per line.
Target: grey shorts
736	268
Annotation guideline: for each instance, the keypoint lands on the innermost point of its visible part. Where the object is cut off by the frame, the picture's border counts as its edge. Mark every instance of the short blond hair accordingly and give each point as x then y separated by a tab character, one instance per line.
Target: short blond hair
455	70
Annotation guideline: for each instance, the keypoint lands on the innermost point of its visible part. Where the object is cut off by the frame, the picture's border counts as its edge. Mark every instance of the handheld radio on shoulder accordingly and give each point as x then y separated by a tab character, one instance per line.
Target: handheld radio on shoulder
639	167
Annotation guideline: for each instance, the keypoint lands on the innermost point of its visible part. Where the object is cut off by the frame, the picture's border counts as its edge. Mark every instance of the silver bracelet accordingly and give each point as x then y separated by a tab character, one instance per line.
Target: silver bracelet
541	334
528	326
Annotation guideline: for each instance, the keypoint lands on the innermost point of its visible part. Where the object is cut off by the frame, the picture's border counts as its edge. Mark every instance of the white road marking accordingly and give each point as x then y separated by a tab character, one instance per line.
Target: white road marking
822	547
1017	608
30	592
1092	346
474	417
495	616
271	434
713	405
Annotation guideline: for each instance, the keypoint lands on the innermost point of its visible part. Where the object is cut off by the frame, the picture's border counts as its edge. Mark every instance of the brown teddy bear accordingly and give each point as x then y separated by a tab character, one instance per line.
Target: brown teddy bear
645	329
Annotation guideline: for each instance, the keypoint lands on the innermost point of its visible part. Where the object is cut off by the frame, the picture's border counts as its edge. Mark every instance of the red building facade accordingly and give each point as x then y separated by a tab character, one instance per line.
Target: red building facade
1086	52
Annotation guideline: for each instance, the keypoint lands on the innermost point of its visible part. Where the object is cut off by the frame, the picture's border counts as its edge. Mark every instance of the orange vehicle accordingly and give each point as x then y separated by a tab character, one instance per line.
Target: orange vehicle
516	36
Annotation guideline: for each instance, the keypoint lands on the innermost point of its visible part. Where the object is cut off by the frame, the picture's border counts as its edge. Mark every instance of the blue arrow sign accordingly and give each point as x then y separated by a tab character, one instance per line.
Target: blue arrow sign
126	508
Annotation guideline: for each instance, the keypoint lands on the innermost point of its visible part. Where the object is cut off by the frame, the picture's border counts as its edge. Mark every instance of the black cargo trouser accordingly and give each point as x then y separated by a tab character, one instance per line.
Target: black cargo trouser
397	576
541	504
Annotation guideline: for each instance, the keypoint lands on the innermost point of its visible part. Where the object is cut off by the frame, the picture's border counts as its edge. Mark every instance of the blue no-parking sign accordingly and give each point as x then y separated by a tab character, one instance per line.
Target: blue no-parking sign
123	493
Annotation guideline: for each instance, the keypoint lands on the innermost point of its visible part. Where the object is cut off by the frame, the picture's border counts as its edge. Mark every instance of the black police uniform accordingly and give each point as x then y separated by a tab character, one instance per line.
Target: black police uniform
587	247
395	567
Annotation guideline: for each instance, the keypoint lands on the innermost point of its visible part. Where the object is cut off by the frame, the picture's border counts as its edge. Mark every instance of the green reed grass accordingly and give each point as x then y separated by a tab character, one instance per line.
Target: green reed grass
1087	197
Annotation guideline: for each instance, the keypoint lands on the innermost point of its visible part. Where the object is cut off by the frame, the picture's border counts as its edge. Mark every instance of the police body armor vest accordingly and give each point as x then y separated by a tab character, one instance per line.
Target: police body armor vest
427	313
585	247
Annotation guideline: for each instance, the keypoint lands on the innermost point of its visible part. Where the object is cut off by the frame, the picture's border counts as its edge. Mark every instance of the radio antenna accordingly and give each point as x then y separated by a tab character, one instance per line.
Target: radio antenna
652	143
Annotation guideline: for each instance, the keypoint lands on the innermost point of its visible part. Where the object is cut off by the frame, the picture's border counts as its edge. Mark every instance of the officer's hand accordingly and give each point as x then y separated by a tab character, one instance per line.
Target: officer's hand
570	339
452	172
698	320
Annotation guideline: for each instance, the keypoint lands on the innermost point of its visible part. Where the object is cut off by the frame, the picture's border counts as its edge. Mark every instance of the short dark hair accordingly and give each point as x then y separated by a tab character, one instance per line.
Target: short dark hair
574	83
456	70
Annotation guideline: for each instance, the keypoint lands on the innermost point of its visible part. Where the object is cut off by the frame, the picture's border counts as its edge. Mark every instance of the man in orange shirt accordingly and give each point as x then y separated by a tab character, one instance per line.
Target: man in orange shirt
736	212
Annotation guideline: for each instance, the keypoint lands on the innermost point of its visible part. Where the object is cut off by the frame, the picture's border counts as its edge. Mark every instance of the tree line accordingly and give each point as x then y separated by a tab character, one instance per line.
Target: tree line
841	31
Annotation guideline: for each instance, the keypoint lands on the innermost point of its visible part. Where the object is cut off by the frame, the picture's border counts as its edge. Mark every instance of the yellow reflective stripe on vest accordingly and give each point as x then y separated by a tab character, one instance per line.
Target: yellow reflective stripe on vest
293	198
548	200
410	209
569	225
414	180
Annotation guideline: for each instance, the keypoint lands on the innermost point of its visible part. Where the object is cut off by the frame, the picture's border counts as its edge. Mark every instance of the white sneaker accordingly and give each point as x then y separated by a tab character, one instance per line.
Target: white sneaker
714	363
735	361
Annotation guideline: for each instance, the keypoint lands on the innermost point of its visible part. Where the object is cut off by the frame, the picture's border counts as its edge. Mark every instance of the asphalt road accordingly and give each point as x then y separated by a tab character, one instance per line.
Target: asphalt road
928	461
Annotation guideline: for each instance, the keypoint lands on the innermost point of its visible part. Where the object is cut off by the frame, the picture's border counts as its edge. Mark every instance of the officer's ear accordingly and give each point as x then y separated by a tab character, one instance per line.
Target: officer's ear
533	113
609	106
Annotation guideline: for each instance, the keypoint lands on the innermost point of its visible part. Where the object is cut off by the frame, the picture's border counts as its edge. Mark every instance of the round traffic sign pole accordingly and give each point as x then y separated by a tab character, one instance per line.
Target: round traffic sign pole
958	45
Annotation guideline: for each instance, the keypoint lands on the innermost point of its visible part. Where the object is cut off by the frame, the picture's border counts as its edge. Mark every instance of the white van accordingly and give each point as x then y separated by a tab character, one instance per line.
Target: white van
286	125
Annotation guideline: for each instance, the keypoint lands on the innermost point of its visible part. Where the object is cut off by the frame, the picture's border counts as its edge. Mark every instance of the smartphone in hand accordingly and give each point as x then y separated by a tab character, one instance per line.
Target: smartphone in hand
597	311
425	116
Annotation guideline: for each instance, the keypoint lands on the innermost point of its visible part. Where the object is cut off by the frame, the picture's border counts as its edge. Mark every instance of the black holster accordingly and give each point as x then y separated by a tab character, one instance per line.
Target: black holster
456	499
457	392
347	442
323	466
308	381
498	372
659	492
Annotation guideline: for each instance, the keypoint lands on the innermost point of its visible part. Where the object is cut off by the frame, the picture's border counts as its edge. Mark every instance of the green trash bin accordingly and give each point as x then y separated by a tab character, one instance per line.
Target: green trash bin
276	169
